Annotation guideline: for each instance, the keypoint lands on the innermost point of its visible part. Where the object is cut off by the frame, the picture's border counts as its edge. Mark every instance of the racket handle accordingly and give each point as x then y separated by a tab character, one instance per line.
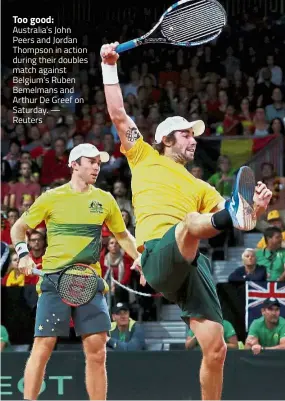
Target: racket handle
123	47
38	272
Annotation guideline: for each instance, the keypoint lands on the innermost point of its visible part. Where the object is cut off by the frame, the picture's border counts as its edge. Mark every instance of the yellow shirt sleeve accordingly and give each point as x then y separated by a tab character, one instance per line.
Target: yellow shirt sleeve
114	219
38	212
210	198
138	152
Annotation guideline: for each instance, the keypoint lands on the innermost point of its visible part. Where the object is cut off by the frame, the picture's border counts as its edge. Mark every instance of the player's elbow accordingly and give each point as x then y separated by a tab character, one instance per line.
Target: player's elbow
20	227
118	115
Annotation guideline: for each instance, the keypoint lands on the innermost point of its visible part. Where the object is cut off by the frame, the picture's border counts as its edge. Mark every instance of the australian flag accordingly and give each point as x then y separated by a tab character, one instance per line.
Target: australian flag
256	293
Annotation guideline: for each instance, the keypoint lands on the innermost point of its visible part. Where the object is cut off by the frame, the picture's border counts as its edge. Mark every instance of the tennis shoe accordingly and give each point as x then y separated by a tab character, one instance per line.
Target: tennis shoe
241	206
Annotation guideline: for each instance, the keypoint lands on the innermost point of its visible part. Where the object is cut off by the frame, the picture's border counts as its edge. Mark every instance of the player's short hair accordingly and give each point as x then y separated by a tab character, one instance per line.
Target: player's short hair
78	161
160	147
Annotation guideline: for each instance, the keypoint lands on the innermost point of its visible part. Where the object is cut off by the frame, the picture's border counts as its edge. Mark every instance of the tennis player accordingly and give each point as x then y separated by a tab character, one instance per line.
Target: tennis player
174	210
74	214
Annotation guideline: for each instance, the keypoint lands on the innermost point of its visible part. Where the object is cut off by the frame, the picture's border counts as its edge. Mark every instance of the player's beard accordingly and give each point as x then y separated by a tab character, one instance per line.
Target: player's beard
189	155
179	155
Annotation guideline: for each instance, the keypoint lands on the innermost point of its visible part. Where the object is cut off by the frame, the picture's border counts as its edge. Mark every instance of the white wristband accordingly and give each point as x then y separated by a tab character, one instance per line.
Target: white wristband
21	249
110	74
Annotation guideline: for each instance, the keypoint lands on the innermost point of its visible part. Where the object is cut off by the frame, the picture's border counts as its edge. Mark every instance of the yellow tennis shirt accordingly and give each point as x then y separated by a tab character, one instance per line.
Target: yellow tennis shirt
74	221
164	192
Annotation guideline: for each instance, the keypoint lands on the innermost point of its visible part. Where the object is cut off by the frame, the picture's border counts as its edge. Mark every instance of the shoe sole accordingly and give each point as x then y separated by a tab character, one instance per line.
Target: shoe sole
244	191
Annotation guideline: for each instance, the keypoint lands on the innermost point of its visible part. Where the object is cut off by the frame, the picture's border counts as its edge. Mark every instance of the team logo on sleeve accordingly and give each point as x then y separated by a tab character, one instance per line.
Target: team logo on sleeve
96	207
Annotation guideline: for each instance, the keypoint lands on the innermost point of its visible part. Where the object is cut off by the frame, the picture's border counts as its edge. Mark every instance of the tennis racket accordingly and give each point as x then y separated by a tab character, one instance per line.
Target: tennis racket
185	23
76	284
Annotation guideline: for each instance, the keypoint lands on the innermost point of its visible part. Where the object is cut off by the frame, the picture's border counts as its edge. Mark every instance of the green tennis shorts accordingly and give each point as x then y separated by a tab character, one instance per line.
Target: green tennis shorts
53	315
188	284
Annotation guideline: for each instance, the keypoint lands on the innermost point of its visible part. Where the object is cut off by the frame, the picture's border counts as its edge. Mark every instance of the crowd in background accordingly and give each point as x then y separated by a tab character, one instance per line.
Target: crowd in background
235	84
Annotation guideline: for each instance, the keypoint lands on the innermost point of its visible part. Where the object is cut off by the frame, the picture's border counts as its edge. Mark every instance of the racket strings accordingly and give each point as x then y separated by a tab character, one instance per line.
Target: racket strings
77	285
191	25
193	22
202	30
182	36
180	9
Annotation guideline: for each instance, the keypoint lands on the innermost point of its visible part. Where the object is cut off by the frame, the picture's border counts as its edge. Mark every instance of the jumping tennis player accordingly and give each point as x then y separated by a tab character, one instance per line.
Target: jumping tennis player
173	212
74	214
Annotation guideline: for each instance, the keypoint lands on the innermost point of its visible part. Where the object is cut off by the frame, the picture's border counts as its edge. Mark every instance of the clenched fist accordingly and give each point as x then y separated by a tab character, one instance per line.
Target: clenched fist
262	195
108	53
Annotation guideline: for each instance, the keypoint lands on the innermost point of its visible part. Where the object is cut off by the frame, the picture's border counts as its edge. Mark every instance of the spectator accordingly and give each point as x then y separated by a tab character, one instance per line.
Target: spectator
6	225
261	125
38	152
20	133
35	137
37	247
55	164
212	103
276	127
268	331
265	88
5	343
251	92
25	186
197	171
277	108
231	62
13	278
108	170
224	178
274	220
250	271
246	117
116	264
273	256
276	184
26	203
230	337
216	117
231	123
26	158
125	334
14	155
133	85
276	72
128	221
120	194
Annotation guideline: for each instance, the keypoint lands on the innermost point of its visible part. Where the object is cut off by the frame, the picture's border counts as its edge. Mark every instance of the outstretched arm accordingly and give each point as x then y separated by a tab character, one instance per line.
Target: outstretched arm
127	129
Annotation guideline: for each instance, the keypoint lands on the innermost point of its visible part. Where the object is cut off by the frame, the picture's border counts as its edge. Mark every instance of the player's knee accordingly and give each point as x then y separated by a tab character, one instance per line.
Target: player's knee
215	354
43	347
97	356
187	245
95	349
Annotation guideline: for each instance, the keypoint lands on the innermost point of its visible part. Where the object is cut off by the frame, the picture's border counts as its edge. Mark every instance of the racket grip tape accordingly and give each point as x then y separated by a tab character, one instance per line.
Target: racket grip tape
126	46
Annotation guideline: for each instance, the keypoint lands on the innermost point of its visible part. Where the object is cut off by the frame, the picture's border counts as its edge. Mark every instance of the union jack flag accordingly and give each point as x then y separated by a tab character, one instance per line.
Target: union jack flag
256	293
